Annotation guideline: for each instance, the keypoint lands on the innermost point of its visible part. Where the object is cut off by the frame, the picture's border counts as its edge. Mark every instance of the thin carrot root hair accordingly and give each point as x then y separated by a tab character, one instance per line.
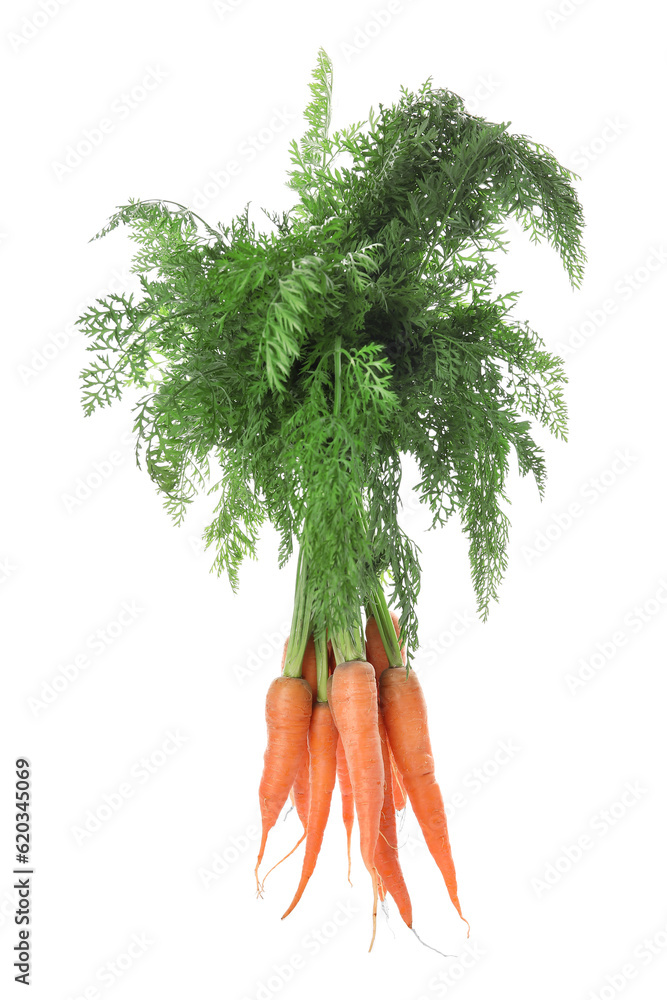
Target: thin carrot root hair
444	954
386	849
289	854
391	846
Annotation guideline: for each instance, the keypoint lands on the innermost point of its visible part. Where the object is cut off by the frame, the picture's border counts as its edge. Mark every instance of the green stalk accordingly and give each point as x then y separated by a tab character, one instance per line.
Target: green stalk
377	605
348	644
322	662
300	629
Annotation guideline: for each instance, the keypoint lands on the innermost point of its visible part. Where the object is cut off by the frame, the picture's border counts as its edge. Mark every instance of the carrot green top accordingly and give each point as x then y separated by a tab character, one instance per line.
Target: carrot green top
289	369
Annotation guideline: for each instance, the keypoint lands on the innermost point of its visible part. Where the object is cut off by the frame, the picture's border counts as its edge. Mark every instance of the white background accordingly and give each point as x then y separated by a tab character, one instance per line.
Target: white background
83	533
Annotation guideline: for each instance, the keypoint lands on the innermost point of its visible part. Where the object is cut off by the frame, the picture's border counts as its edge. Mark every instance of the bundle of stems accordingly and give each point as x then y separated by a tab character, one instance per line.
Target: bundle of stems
302	362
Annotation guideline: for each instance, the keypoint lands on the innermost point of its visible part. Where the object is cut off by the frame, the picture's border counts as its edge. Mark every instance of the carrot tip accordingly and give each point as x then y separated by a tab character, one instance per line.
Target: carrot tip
296	899
375	907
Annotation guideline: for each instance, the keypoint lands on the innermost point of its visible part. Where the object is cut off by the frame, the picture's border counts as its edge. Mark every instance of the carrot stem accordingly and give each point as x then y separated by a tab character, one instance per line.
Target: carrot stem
348	644
377	604
300	630
322	662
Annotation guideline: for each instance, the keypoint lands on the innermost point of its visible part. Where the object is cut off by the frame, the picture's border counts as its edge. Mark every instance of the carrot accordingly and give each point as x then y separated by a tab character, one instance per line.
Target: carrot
404	713
376	654
300	791
322	740
289	706
292	796
354	699
282	664
375	651
347	800
386	851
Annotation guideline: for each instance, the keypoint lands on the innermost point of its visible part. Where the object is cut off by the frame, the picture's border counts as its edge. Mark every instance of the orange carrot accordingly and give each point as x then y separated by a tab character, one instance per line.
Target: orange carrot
292	796
404	713
347	800
386	851
322	740
282	664
289	706
354	699
299	793
376	654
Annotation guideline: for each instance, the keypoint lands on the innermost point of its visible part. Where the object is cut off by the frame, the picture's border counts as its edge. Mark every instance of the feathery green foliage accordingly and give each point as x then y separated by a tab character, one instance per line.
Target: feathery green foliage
304	361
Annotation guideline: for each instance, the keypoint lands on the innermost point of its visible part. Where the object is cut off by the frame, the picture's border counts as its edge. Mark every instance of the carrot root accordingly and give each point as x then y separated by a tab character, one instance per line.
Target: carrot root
322	740
289	706
355	706
404	712
386	851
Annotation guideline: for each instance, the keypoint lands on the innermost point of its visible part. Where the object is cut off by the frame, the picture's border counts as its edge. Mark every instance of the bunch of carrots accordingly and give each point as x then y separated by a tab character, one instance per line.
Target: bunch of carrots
362	720
292	369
